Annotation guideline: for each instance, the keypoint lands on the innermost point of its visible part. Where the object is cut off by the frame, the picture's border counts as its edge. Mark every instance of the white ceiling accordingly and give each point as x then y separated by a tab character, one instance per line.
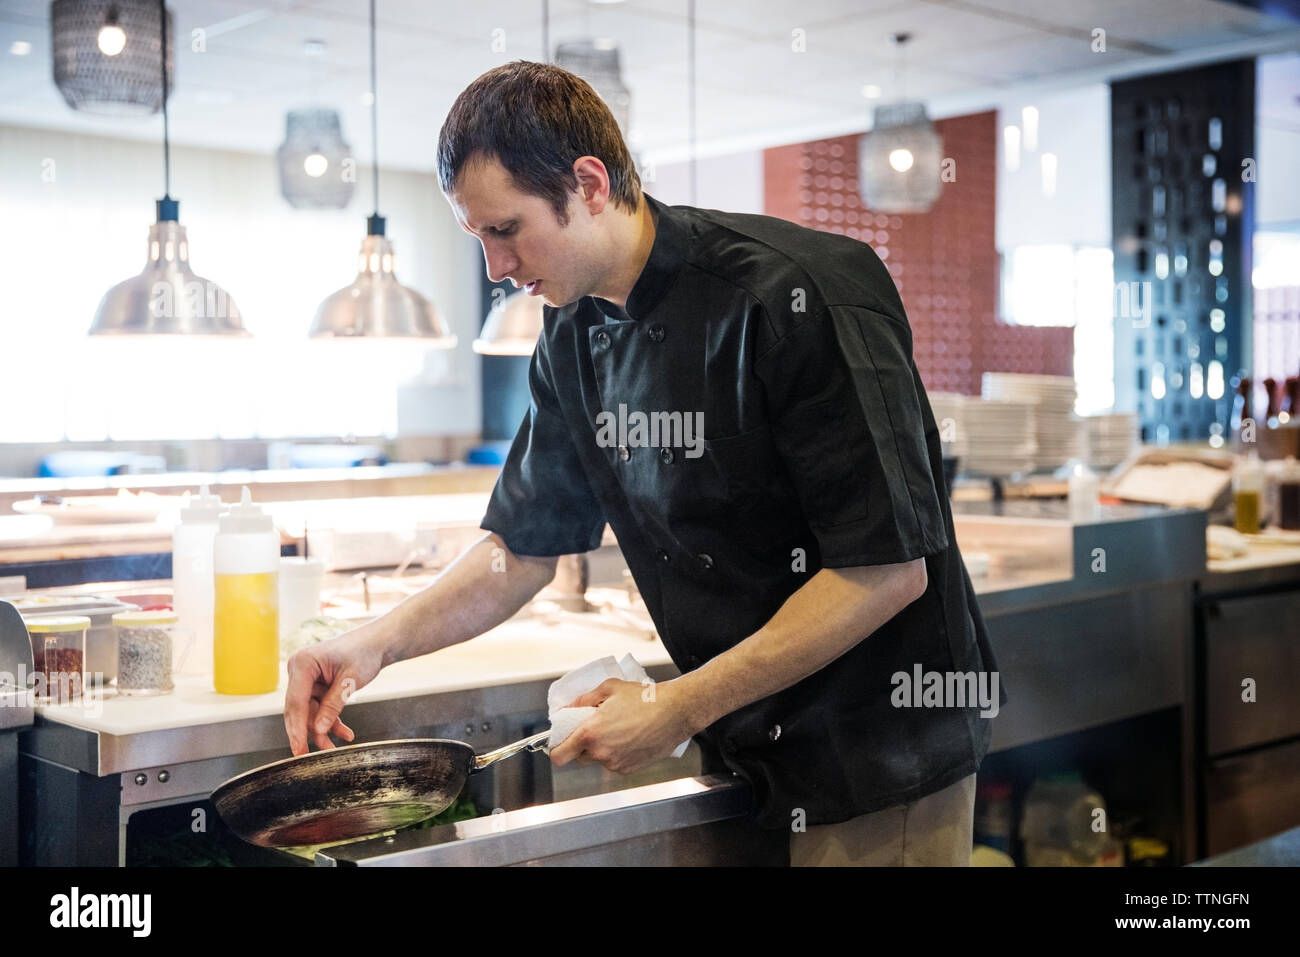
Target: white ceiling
752	88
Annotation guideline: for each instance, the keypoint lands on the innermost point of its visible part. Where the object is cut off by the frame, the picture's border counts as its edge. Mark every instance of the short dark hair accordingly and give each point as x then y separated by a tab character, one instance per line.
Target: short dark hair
536	119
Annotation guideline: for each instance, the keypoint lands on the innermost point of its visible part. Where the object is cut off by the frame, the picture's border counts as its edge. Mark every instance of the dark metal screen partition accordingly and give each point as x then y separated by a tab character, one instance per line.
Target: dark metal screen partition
1182	187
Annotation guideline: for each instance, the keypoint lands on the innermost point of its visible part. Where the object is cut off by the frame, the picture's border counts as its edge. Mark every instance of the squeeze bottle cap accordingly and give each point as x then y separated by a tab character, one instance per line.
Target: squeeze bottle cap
202	508
245	518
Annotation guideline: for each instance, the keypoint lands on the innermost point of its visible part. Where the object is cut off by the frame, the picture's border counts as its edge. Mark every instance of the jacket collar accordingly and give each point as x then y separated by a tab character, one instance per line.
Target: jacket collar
667	254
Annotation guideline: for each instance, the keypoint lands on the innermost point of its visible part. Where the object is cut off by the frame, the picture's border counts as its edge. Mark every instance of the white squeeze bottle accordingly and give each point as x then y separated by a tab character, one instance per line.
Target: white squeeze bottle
192	580
246	601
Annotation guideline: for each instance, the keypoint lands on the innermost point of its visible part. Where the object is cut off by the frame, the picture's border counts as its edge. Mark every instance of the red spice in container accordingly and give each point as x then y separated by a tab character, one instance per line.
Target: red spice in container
59	656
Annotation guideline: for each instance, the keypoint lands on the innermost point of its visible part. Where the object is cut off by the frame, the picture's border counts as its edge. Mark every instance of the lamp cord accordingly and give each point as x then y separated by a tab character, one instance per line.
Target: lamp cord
167	149
374	109
691	86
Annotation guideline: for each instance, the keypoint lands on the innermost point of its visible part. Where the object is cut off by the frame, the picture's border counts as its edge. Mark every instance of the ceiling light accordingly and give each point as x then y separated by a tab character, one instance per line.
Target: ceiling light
315	165
313	145
20	48
899	159
105	55
111	39
512	326
1011	148
376	305
1029	120
871	91
167	298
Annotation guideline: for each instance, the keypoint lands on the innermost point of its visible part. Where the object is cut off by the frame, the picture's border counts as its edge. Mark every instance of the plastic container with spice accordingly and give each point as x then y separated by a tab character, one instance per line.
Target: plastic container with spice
147	644
59	657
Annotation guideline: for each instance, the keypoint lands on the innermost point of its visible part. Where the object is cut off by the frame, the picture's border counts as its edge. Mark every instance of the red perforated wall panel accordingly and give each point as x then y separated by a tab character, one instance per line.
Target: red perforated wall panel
944	262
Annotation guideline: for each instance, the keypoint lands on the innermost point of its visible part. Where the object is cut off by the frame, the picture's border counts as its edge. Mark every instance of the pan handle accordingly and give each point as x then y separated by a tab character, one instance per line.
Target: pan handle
533	743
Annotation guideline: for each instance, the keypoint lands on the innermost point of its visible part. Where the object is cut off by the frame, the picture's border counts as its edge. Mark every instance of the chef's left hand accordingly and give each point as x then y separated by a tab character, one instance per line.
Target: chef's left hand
635	725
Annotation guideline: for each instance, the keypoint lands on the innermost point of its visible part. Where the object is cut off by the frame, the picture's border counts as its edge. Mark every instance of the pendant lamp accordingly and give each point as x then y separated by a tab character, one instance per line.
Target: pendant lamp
105	55
376	305
314	161
167	298
899	160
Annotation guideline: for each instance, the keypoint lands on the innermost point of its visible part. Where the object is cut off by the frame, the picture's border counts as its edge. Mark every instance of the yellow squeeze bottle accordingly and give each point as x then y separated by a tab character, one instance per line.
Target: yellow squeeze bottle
246	601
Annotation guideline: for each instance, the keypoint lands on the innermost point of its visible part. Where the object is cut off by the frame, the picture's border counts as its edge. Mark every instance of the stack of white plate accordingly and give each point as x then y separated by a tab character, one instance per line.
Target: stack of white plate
947	408
1056	428
1111	438
999	437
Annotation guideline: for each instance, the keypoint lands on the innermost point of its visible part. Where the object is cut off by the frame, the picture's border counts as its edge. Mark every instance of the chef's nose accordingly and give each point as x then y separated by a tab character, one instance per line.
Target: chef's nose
500	262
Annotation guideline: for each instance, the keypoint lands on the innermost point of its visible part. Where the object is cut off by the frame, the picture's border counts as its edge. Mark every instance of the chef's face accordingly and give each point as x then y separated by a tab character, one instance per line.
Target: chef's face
521	236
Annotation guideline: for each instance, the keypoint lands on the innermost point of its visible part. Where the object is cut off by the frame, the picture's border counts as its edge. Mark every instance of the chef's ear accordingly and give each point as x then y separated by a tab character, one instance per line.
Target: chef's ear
593	183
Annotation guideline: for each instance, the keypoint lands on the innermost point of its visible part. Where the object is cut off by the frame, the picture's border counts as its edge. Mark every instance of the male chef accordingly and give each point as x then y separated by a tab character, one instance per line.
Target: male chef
735	396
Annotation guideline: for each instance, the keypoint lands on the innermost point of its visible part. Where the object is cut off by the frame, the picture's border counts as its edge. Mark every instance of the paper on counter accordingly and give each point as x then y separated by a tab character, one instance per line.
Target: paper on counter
578	682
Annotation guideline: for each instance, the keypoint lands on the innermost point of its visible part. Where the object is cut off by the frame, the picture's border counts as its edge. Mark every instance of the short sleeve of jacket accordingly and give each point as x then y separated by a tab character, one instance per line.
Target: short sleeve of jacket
845	407
542	504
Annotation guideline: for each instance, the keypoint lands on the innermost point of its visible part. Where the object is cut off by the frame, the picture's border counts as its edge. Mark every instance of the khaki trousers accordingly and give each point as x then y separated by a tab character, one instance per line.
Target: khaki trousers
932	831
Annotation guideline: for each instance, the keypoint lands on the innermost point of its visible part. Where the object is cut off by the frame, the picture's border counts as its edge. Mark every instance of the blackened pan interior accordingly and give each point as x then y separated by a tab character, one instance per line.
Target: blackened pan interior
344	793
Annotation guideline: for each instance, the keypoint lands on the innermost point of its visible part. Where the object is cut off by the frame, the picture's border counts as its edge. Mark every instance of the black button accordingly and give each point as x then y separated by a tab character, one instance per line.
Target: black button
663	555
624	452
693	661
666	456
775	733
602	339
705	560
730	746
656	333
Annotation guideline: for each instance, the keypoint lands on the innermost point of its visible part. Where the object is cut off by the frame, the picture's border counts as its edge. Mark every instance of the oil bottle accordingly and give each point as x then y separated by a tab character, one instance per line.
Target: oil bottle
246	613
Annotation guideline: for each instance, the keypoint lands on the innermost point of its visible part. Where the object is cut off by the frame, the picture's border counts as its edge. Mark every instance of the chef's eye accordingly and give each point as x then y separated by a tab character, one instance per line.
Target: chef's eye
504	230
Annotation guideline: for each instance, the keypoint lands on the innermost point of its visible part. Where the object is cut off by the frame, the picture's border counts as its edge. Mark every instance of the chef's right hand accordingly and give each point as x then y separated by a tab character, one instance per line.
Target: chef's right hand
321	679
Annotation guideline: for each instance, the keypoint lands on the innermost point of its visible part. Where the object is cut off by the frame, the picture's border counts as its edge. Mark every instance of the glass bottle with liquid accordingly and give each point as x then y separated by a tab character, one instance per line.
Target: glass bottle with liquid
246	603
1248	494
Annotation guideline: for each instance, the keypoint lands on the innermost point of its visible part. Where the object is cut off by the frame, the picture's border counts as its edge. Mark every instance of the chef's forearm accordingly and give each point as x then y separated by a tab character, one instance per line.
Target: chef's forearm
832	612
484	586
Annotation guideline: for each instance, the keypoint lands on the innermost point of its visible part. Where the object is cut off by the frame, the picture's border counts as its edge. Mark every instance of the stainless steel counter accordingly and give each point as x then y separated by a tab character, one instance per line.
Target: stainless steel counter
1092	627
687	821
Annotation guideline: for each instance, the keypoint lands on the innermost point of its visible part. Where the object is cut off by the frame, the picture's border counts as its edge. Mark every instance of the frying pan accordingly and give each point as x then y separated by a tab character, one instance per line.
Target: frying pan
358	790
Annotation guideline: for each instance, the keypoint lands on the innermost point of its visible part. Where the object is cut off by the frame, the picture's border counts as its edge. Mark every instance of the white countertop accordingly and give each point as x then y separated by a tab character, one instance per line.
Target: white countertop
518	651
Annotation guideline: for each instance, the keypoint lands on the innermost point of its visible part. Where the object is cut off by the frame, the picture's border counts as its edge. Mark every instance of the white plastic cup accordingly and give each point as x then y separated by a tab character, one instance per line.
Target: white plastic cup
301	581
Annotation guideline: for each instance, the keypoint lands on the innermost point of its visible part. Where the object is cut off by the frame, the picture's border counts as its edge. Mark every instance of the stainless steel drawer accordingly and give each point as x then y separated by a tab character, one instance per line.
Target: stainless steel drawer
1257	638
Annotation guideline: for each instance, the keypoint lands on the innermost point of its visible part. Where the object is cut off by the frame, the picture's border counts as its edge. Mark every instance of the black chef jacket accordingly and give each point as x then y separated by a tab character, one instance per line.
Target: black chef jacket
819	450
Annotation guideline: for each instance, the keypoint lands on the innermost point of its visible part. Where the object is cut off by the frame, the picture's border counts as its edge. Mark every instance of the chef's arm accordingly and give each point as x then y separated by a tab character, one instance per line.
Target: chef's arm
482	588
832	612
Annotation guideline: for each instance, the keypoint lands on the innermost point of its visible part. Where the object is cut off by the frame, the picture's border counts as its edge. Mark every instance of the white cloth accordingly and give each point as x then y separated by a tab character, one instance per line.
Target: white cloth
579	681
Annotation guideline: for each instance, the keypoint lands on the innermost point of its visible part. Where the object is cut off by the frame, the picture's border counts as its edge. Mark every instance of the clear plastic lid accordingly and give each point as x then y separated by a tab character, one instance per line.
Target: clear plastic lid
202	508
52	625
245	518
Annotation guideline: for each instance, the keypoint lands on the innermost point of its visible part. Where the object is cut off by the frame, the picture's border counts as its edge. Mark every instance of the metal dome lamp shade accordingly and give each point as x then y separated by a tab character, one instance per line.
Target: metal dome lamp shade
105	55
512	326
167	298
376	305
899	160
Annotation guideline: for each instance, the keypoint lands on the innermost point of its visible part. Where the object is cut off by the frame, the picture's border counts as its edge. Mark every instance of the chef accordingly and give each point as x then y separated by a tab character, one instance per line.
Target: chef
735	396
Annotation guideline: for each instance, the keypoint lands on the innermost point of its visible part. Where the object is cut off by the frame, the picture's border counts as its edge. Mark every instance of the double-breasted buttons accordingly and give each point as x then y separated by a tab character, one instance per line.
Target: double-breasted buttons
706	561
602	339
624	452
656	333
730	746
774	733
666	456
662	555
